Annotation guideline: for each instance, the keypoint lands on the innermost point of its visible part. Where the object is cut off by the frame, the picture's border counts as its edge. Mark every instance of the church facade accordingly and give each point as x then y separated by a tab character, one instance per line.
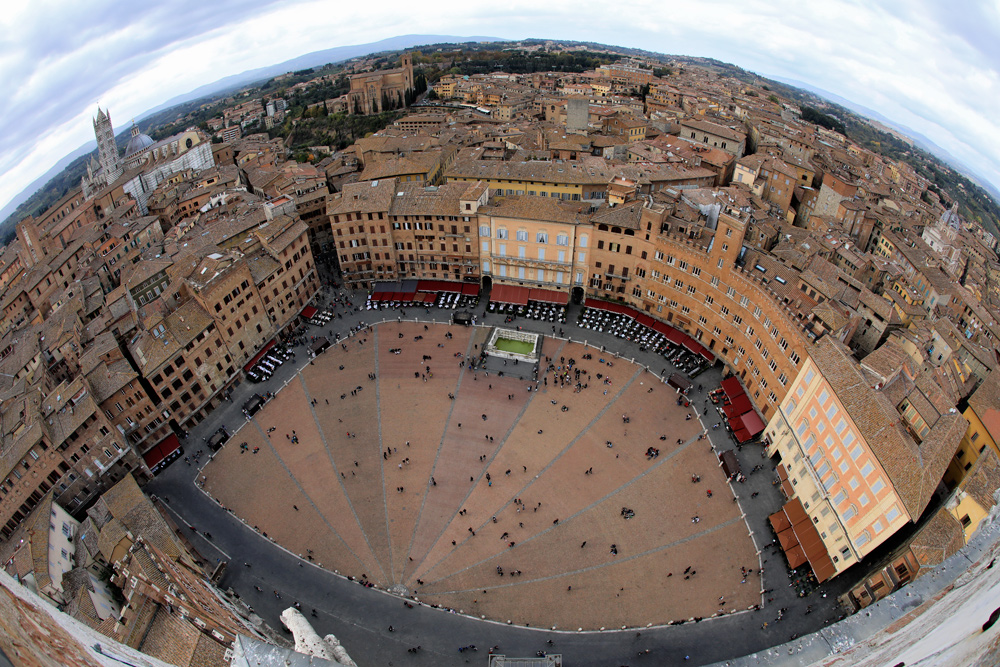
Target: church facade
374	92
944	236
146	163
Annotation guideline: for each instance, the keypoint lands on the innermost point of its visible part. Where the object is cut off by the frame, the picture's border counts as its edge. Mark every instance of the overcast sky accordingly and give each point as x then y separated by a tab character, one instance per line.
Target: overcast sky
931	65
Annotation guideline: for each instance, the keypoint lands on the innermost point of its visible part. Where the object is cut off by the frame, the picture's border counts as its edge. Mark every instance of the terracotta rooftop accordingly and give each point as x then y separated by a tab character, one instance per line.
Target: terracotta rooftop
713	129
539	171
534	208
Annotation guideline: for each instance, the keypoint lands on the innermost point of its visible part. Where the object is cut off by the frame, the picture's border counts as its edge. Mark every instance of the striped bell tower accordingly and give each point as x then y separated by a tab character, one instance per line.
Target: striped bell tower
107	150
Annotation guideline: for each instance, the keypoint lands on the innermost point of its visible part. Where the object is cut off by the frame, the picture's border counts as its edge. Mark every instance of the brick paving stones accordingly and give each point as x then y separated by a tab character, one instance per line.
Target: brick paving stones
363	524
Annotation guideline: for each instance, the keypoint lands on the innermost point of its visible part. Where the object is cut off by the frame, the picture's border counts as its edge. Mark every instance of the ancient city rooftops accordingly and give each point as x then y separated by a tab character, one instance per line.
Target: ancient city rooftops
538	171
125	507
535	208
713	129
625	215
415	199
364	197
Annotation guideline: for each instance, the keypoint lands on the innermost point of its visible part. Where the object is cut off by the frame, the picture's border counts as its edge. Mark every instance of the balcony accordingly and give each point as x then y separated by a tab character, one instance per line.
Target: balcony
533	263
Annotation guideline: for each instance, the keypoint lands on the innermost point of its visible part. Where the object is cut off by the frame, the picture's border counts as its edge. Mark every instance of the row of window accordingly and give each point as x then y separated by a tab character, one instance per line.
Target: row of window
522	235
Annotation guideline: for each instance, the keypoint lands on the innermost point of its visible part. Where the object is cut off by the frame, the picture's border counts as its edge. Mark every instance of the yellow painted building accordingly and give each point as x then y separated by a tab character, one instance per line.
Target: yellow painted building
533	242
983	414
885	247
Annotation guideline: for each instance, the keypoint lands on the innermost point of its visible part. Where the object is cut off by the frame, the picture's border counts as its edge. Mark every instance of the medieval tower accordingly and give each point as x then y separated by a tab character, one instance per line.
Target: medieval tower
107	150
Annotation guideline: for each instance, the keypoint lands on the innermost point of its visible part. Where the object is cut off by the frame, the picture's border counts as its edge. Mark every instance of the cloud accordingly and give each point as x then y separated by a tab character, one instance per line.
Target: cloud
923	63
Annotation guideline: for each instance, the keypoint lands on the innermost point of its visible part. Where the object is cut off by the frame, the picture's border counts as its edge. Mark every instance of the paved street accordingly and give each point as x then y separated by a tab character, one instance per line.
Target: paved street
360	617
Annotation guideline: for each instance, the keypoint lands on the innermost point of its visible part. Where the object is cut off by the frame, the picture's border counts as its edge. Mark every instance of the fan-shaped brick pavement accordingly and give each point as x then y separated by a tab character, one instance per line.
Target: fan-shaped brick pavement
392	480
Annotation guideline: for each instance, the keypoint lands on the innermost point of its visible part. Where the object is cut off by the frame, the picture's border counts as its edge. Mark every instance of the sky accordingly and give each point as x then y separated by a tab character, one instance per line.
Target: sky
931	65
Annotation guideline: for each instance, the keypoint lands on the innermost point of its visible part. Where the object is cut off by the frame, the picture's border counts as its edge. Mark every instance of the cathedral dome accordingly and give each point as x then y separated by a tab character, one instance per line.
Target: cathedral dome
138	143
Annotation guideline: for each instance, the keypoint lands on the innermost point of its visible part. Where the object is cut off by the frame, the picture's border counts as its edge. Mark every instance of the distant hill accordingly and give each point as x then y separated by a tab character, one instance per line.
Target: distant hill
54	184
978	198
314	59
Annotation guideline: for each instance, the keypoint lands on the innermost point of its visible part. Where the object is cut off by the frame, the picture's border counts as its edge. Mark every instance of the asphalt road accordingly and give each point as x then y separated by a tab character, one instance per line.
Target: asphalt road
361	617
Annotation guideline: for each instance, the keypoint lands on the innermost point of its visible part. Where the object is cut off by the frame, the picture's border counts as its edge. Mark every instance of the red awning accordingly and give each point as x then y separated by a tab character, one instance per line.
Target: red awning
732	387
409	296
645	320
787	539
695	347
510	294
672	334
796	556
161	450
436	286
308	312
548	296
256	357
752	423
779	521
739	406
804	543
470	289
610	307
742	435
521	295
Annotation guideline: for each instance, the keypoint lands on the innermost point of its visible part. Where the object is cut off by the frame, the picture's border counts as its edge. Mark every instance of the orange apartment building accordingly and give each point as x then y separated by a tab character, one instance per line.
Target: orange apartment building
859	457
385	229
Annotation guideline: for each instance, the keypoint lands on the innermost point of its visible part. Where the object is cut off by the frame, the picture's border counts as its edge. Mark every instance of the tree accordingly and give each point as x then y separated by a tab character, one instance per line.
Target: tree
432	95
823	120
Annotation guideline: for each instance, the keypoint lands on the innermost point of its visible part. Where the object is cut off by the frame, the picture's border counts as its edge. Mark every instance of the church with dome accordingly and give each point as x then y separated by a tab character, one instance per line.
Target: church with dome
145	162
